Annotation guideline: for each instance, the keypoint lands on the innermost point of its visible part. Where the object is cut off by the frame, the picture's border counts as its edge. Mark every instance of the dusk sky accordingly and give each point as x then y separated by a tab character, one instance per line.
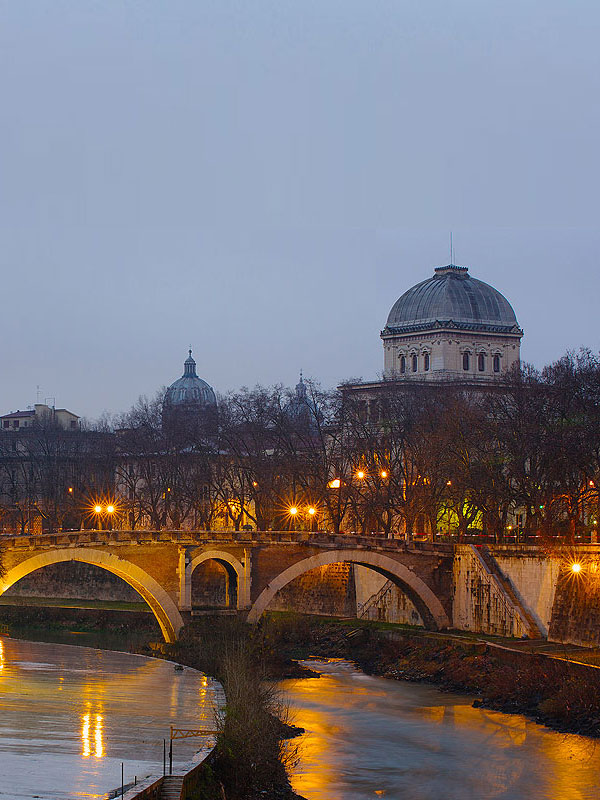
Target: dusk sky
262	180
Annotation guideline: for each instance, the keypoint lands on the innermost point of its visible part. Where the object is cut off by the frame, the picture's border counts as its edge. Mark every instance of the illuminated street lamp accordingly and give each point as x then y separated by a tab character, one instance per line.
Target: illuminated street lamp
110	510
360	475
292	513
576	567
383	474
98	512
334	484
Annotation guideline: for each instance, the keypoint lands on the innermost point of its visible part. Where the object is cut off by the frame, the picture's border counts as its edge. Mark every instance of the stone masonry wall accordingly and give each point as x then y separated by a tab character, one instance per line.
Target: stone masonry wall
576	611
210	585
325	590
74	580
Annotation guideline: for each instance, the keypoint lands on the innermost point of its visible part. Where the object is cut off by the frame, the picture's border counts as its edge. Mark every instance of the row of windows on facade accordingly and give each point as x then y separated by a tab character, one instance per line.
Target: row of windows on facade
481	363
16	423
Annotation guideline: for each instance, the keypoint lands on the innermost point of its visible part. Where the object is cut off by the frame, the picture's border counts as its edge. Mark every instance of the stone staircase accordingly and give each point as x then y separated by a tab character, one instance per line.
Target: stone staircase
375	599
172	787
507	588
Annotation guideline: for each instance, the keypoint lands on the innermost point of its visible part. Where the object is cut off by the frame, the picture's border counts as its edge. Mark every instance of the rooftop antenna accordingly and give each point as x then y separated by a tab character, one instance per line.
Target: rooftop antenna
451	251
38	393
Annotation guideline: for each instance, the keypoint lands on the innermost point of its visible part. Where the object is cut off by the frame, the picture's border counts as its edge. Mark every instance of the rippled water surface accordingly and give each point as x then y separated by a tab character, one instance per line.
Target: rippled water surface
70	715
370	737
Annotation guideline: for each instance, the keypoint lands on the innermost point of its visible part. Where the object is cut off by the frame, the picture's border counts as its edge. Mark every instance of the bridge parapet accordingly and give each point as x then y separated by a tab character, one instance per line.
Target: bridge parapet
243	538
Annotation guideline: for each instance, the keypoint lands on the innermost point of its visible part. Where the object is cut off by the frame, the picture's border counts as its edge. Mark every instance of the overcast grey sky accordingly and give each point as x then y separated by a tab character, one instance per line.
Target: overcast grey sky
262	180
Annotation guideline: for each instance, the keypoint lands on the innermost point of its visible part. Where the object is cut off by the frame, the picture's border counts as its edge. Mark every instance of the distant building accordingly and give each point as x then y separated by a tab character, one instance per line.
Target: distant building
40	414
189	401
451	326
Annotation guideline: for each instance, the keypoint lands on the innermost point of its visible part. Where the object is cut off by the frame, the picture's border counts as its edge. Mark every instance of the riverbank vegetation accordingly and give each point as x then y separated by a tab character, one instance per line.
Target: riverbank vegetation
253	756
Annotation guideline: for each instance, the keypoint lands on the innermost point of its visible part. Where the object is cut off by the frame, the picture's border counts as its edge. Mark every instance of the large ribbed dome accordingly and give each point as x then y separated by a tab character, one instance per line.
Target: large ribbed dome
452	298
190	391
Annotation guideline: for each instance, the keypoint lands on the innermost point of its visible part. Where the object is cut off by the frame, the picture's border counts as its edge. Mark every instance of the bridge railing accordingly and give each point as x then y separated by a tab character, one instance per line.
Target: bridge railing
249	538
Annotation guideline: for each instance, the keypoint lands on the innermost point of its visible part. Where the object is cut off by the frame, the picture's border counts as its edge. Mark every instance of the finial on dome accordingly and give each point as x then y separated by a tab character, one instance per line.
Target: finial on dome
300	387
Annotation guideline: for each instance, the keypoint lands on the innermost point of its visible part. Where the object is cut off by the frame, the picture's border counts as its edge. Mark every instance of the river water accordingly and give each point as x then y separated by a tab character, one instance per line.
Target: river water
70	715
369	737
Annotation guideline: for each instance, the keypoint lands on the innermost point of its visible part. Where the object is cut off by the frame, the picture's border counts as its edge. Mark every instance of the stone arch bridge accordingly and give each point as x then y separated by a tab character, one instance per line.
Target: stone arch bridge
160	565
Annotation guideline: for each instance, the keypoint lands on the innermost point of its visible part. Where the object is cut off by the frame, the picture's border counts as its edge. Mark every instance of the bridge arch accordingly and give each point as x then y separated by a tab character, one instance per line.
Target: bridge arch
162	606
424	599
235	570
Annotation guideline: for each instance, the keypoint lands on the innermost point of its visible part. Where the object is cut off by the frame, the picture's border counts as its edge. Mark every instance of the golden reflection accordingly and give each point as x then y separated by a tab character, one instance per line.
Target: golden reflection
98	737
434	713
316	774
575	762
87	747
1	655
85	736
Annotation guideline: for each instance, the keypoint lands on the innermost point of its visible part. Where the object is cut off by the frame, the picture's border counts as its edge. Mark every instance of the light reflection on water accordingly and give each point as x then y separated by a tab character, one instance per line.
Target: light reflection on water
86	738
70	715
370	737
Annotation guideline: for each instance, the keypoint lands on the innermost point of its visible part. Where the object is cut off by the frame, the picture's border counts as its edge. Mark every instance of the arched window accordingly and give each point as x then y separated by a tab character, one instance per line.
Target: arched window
415	364
403	364
481	362
426	362
466	362
496	363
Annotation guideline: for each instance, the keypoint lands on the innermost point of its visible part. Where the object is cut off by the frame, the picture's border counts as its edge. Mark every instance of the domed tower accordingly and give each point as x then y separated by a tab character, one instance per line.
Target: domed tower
451	326
190	400
301	408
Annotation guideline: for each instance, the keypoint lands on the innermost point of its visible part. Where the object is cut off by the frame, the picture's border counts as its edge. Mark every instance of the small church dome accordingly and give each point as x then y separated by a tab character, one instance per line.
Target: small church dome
190	391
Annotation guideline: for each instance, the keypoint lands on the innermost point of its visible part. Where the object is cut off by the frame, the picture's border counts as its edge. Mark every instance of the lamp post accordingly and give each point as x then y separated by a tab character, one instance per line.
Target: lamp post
336	483
98	512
